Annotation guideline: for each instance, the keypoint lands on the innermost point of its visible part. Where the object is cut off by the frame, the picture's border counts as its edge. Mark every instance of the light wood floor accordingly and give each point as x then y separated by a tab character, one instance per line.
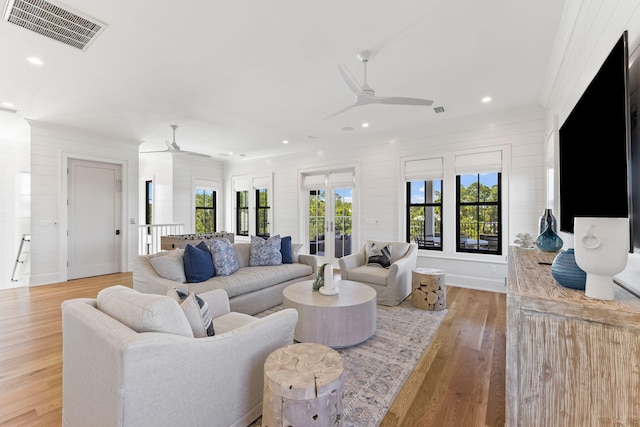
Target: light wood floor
458	382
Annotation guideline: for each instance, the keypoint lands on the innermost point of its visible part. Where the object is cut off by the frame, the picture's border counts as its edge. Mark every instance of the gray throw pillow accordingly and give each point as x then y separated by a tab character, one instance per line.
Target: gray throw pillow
170	266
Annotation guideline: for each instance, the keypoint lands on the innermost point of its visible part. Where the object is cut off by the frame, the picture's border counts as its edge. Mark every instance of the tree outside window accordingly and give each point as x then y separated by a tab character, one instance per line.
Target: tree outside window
479	213
242	213
205	210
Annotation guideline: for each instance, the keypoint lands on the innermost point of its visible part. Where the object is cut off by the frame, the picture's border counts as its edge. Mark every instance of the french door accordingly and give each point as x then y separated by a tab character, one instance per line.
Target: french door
330	216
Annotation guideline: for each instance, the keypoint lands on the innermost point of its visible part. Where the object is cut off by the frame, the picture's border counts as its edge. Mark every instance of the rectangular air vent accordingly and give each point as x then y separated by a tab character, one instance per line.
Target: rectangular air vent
439	109
55	21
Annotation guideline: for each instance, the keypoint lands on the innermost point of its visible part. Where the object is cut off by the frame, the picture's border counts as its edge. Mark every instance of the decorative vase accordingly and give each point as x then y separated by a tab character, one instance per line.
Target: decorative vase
329	287
566	272
602	250
547	220
319	282
549	241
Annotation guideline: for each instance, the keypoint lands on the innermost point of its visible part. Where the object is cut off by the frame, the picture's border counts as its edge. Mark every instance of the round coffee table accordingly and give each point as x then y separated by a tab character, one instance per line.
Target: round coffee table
342	320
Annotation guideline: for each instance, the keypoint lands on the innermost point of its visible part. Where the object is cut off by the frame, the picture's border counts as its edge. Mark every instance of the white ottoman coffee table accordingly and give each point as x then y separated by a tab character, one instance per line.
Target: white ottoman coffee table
342	320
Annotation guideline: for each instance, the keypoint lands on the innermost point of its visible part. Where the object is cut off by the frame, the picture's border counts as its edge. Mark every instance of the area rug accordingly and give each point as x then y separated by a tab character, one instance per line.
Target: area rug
376	370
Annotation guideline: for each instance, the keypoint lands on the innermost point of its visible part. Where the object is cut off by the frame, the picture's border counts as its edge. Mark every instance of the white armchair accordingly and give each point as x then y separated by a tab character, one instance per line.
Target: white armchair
392	284
115	376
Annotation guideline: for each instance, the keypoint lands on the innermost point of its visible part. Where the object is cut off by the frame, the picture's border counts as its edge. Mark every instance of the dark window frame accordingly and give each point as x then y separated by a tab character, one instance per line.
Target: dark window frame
424	242
262	213
493	238
211	208
242	212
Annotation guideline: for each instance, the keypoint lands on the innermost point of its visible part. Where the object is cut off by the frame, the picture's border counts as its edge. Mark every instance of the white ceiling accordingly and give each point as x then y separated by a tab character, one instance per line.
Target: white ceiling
241	76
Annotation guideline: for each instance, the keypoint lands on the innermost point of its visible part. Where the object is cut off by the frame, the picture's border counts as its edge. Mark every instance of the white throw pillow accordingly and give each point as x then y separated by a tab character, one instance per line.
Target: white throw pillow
170	266
143	312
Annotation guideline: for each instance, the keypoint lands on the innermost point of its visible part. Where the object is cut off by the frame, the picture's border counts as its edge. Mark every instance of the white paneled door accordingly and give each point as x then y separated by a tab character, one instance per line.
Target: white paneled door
94	223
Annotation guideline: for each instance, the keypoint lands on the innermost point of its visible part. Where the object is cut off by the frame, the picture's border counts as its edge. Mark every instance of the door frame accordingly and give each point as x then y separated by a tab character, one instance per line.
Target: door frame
63	254
303	203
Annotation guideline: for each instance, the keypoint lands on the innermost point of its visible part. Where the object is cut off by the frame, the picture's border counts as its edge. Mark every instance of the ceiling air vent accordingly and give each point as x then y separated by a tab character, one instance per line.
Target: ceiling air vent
55	21
439	109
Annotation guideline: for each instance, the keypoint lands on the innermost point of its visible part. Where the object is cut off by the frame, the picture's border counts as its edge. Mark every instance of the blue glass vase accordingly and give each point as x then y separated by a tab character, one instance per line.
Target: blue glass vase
547	220
549	241
566	272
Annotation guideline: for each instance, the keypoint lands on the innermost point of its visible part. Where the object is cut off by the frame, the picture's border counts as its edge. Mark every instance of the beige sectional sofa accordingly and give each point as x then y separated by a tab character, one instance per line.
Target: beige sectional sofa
250	289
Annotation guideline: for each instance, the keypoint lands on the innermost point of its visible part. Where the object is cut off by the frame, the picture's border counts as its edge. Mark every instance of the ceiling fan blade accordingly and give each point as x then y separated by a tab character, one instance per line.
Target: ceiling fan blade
350	80
154	151
400	100
193	153
341	111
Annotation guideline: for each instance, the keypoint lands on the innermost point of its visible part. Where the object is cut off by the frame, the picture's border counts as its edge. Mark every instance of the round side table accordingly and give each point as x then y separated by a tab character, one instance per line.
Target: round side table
303	386
429	290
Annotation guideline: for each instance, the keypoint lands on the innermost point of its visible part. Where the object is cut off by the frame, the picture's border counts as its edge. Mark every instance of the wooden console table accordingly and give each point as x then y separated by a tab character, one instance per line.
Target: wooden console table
571	360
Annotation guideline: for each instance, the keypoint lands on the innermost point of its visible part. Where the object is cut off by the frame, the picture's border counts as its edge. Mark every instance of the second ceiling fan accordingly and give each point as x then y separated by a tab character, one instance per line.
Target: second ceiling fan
365	95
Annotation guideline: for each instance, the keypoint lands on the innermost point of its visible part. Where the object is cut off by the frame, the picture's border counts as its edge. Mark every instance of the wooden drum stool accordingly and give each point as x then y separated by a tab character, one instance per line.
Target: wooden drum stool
429	291
303	386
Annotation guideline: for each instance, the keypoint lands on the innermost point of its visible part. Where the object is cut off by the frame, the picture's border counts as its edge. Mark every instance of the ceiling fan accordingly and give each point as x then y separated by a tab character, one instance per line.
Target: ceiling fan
366	95
173	147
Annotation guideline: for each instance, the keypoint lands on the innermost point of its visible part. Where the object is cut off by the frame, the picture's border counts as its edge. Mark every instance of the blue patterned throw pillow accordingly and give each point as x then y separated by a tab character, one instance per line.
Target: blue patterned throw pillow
225	262
265	252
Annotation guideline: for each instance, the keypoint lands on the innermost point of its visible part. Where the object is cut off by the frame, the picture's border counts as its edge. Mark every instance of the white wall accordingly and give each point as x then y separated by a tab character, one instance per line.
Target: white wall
186	169
380	187
173	177
15	193
588	31
51	147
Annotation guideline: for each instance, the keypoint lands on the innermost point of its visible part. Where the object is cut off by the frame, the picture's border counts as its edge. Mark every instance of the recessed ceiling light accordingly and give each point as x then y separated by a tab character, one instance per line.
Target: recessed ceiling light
486	99
231	153
35	61
365	125
285	141
8	104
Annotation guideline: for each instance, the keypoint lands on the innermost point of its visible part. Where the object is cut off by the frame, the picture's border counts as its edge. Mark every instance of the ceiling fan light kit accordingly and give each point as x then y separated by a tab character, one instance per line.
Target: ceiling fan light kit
365	94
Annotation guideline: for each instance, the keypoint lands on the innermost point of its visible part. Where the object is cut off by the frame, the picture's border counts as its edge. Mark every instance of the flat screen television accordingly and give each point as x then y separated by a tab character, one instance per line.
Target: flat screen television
595	146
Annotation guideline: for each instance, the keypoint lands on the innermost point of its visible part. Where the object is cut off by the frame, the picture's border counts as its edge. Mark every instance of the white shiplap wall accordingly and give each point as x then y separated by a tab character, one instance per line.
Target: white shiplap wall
379	185
51	147
14	209
174	177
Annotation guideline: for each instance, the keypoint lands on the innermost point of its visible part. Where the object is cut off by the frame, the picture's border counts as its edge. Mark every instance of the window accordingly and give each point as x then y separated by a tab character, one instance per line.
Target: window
479	213
205	210
262	213
242	213
424	214
148	207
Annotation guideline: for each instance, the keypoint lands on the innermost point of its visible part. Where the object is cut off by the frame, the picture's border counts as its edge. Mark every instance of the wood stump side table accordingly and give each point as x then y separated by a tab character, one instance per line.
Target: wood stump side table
303	386
429	289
